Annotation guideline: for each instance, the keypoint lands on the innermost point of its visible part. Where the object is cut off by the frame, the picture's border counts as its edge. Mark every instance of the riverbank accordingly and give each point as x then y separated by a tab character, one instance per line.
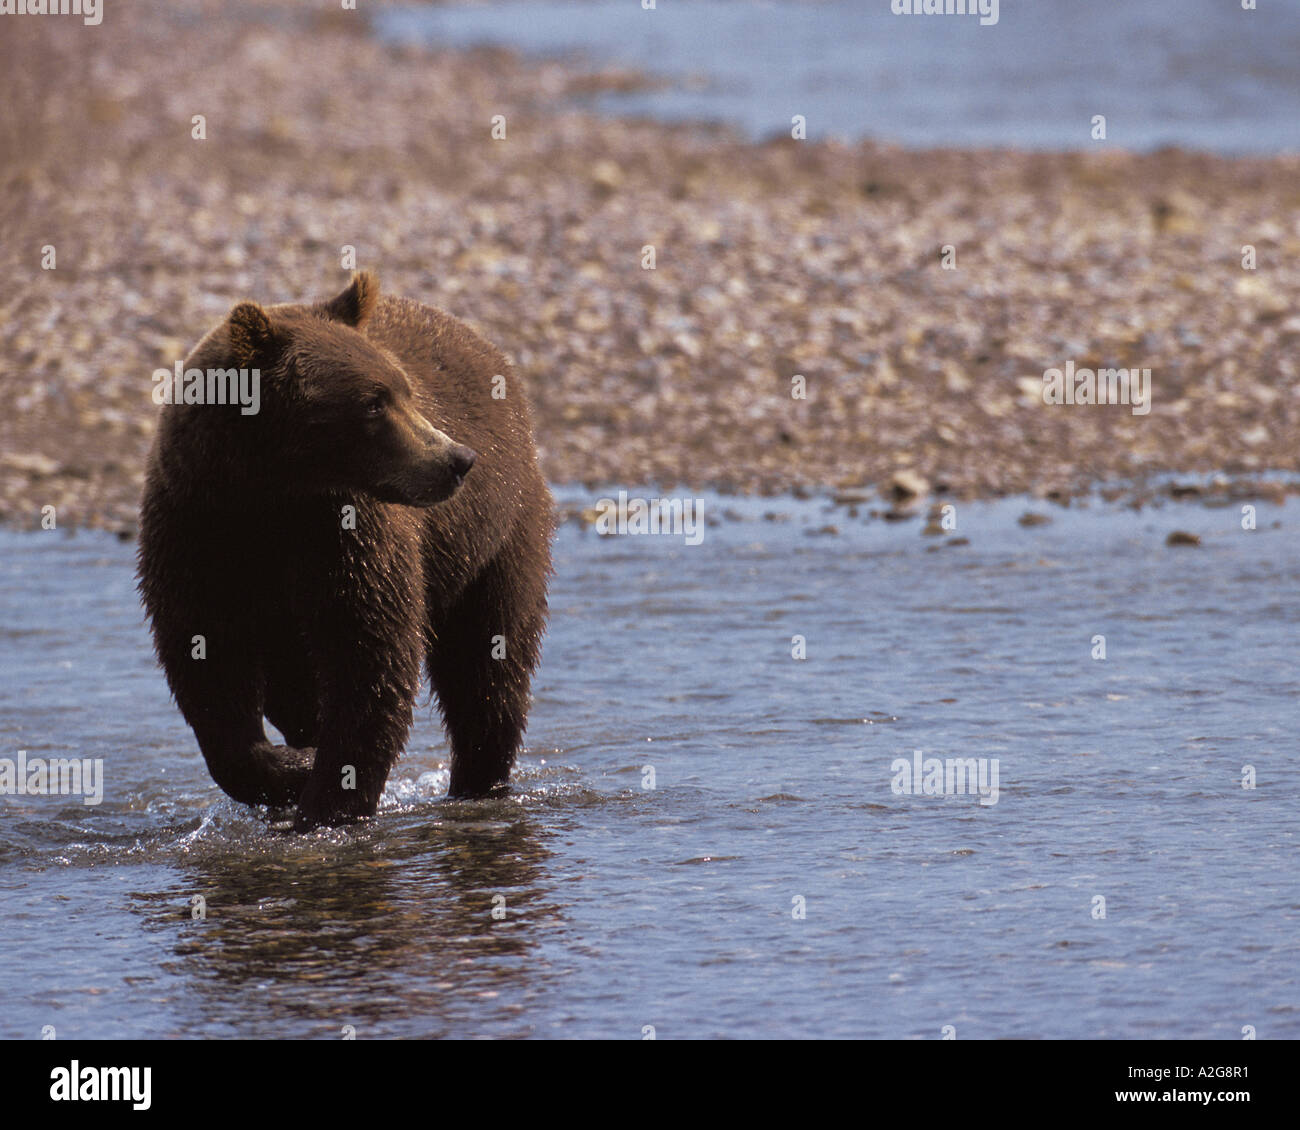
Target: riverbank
772	261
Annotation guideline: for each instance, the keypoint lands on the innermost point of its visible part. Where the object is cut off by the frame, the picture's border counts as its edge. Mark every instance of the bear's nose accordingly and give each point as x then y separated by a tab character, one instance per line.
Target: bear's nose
462	459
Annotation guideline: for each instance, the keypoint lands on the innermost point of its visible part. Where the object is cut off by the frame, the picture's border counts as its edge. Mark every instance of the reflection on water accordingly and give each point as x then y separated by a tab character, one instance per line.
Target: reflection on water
620	905
406	913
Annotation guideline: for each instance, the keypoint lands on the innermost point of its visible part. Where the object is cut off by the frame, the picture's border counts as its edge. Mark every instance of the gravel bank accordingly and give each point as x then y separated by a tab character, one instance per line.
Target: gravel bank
787	258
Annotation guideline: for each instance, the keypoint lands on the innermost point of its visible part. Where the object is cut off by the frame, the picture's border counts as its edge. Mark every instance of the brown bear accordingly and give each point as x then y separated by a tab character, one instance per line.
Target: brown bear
382	507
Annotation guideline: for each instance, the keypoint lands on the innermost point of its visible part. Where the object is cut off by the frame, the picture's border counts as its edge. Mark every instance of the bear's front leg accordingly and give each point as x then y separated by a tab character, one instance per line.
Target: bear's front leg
221	699
366	640
361	741
210	657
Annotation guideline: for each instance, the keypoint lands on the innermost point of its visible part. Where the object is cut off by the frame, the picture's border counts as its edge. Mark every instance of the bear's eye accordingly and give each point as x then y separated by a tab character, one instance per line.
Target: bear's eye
375	405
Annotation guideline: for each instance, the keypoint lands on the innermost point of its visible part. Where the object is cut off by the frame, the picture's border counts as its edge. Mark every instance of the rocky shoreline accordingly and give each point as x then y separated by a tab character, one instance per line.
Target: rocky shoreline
821	261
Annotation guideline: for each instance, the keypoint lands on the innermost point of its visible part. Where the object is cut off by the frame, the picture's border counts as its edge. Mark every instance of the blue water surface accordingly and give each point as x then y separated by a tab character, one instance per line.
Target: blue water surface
703	837
1202	74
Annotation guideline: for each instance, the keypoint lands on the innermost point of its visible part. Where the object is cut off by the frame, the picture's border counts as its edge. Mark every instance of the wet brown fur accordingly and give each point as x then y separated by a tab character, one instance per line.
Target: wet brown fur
322	629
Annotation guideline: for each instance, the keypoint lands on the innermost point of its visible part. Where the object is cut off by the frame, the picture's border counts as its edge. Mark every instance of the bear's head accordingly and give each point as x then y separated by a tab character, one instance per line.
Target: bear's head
339	409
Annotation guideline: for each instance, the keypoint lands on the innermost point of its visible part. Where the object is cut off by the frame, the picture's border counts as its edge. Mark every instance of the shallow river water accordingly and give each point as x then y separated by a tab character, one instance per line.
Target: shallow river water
772	882
1203	74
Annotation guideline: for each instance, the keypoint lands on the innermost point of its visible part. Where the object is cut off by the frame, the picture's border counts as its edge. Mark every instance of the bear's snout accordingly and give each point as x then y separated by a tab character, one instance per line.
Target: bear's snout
442	471
426	465
462	459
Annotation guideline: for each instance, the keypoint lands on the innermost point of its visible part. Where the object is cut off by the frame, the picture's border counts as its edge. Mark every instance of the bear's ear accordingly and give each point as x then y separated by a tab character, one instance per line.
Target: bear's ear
355	304
250	333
